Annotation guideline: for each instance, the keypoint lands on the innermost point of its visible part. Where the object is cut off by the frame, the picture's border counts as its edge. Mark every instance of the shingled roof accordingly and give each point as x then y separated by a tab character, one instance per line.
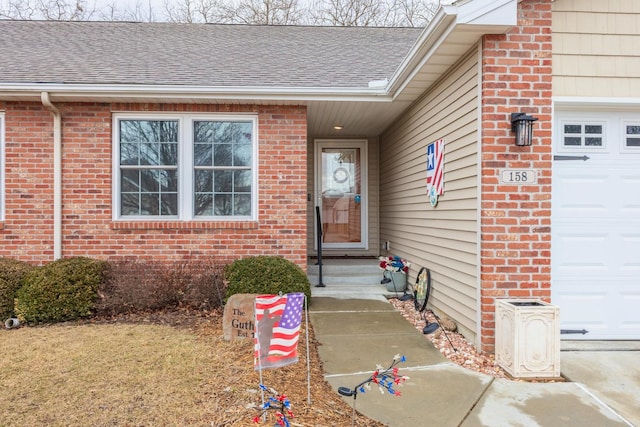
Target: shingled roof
207	55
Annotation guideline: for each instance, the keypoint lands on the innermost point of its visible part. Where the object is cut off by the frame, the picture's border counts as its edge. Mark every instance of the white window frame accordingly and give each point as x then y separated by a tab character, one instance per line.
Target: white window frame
583	123
624	148
185	165
2	168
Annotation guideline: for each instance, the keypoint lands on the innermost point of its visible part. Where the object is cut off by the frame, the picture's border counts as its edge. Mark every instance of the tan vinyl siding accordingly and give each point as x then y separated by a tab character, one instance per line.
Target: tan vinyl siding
372	205
596	48
443	238
374	198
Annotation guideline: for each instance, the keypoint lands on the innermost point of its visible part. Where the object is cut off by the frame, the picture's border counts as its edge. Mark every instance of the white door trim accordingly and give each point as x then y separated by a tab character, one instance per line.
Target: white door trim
362	144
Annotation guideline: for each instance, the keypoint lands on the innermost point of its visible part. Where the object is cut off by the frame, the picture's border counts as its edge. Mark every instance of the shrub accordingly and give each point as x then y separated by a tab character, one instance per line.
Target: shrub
144	285
62	290
266	275
11	274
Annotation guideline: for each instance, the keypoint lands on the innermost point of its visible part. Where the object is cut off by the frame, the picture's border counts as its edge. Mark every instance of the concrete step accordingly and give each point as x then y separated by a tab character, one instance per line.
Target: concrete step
346	272
348	278
351	279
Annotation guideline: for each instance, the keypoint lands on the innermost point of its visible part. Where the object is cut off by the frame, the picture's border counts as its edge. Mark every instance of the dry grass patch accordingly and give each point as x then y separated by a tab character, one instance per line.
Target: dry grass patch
160	370
104	375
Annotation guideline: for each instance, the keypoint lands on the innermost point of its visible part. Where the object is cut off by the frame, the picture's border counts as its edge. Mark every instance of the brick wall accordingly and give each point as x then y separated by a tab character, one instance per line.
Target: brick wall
87	226
27	230
516	219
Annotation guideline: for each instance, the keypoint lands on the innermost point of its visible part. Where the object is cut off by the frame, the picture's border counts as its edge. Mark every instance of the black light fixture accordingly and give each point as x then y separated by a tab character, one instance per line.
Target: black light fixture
522	125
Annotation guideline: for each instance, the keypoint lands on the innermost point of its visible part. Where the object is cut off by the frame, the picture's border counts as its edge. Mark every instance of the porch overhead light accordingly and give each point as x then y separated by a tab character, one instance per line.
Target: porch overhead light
522	125
338	127
378	84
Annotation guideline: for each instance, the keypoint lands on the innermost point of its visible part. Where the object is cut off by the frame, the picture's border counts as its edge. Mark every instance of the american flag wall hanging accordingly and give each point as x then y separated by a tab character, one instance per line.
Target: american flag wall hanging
435	171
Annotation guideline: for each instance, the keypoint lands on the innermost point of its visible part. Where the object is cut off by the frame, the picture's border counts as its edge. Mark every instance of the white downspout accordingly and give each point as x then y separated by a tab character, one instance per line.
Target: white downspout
57	175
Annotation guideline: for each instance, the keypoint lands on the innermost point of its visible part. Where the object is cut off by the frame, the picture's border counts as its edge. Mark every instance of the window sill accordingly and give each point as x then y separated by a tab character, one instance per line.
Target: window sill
183	225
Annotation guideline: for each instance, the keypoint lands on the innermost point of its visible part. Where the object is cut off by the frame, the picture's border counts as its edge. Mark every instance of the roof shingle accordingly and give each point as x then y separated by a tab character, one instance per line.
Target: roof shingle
208	55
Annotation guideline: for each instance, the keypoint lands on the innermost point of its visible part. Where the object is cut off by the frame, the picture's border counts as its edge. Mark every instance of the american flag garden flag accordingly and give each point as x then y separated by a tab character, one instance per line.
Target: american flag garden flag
435	167
277	329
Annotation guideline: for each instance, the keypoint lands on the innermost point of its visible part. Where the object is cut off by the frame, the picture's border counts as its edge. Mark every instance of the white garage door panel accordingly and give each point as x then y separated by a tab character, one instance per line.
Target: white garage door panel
575	299
579	194
606	249
599	289
575	190
630	321
595	266
582	253
630	254
628	189
586	304
596	279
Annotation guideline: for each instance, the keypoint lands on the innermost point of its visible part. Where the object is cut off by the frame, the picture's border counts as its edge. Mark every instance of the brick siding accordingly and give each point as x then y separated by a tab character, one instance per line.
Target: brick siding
87	225
516	219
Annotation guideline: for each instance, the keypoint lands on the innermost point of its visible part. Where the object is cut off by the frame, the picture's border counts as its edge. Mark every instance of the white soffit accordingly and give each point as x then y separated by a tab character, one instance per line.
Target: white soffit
487	12
449	35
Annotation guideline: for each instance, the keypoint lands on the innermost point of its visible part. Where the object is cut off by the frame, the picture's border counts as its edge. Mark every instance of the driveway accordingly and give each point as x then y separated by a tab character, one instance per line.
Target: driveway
610	370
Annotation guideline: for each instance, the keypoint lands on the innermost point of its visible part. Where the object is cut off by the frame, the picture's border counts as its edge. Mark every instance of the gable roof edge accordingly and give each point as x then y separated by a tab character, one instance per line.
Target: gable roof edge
470	19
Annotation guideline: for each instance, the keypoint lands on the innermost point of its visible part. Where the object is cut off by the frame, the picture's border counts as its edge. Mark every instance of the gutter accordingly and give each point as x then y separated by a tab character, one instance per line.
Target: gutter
57	175
160	93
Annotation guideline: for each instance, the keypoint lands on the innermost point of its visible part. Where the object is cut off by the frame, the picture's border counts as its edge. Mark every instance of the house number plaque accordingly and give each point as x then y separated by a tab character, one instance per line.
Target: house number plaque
518	176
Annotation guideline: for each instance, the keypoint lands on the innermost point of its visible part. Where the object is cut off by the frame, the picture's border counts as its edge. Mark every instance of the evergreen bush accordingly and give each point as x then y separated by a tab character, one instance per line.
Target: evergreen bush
11	274
266	275
62	290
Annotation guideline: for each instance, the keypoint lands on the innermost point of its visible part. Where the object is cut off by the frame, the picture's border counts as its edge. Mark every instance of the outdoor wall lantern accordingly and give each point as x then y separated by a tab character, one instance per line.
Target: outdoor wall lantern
522	125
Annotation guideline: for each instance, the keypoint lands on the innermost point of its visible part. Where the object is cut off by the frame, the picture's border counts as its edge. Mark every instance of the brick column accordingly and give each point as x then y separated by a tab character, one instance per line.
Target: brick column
515	247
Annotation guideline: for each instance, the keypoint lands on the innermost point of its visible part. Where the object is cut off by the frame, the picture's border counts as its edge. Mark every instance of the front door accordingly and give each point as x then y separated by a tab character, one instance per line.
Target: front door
341	193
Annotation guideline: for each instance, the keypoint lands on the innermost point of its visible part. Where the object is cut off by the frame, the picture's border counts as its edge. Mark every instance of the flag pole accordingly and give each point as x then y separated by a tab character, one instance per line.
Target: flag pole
257	350
306	323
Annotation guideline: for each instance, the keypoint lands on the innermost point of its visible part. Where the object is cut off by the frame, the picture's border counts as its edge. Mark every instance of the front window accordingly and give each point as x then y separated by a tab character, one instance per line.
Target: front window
186	167
223	175
148	167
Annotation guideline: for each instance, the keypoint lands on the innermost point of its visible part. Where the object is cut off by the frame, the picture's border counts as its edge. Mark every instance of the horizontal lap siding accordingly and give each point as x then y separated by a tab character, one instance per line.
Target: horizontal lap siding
443	238
87	225
596	48
374	197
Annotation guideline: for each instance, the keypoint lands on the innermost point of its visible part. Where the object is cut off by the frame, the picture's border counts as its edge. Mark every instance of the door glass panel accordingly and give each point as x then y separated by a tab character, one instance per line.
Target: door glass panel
341	195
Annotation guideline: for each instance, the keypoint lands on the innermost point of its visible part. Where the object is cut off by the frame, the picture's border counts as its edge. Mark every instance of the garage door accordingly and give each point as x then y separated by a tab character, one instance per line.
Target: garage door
595	266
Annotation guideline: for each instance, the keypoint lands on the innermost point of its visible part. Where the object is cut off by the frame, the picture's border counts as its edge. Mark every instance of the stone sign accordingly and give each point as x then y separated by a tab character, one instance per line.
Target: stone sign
238	320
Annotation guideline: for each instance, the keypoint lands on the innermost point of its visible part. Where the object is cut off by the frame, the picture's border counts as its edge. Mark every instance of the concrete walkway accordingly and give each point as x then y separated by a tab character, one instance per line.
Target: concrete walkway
610	369
357	334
